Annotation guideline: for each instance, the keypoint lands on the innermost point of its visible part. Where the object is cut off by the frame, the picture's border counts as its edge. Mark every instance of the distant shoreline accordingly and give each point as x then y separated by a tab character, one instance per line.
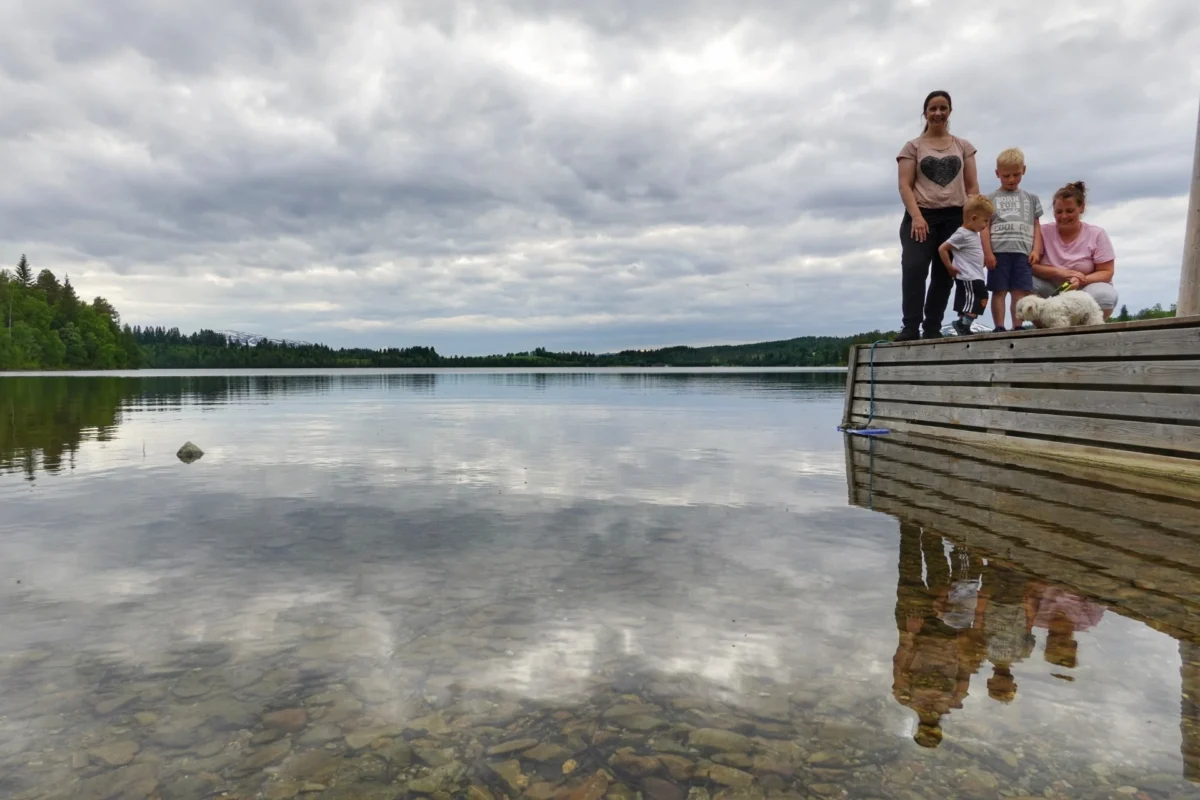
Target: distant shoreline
237	371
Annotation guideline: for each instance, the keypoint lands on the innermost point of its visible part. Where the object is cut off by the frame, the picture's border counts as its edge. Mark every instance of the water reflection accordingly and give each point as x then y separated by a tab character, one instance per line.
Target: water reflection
595	587
997	552
958	613
46	418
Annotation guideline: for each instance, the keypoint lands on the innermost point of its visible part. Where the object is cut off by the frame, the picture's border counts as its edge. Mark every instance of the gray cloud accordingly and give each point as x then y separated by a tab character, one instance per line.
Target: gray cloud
503	175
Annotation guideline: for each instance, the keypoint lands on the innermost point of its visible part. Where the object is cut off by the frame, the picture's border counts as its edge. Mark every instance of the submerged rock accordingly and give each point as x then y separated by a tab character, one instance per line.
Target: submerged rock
117	754
513	746
720	740
110	704
635	764
263	757
189	453
510	771
441	779
546	752
727	776
360	740
136	781
593	788
543	790
659	789
289	720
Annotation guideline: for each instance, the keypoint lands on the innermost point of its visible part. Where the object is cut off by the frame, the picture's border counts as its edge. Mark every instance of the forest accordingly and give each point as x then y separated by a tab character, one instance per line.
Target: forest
46	326
172	349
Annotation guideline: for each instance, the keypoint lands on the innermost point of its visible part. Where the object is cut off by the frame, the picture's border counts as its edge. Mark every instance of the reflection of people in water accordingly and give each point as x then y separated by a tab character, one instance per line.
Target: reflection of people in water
1006	612
935	658
952	615
1062	614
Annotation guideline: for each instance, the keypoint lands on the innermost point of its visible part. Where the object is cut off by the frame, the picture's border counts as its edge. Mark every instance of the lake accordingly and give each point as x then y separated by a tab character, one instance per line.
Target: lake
568	584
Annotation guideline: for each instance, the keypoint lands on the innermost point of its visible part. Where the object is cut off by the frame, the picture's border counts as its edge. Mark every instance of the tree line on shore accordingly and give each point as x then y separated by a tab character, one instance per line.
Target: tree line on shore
46	326
169	348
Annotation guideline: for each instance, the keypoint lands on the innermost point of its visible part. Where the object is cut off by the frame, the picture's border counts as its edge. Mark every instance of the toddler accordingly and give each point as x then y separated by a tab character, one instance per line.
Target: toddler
1012	243
966	265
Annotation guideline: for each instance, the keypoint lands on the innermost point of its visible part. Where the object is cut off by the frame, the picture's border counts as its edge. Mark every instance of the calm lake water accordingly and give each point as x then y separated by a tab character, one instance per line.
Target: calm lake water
568	585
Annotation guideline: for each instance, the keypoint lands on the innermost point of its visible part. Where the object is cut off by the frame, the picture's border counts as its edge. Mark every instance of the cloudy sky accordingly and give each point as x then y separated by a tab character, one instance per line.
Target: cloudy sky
505	174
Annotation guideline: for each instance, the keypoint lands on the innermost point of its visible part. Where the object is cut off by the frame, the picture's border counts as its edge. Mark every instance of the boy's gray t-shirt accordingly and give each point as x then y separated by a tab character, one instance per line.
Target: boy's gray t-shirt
1012	224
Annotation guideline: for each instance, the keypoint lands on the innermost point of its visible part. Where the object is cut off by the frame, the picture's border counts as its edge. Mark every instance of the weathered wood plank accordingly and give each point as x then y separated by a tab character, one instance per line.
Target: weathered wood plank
1127	471
970	505
1106	523
1108	374
1182	439
1136	540
1120	504
1162	612
1167	323
1153	405
1183	340
851	363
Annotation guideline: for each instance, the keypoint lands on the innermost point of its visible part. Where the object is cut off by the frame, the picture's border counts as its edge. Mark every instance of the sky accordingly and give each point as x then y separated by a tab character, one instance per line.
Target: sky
507	174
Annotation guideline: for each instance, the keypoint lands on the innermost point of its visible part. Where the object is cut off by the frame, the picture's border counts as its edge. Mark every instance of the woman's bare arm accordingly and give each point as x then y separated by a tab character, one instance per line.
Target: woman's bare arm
1049	272
1102	274
908	176
970	175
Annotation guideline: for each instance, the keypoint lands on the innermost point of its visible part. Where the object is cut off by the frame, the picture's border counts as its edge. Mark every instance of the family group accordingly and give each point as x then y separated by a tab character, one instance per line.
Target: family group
953	236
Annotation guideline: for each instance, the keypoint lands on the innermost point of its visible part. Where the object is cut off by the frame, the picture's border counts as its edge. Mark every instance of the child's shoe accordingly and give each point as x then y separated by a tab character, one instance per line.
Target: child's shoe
962	326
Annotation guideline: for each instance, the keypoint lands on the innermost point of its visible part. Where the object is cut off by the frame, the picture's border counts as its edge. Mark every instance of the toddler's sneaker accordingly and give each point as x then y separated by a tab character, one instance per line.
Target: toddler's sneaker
962	326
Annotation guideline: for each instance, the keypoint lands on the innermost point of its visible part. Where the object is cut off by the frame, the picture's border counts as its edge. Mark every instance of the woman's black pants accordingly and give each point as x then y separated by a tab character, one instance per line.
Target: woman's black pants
921	307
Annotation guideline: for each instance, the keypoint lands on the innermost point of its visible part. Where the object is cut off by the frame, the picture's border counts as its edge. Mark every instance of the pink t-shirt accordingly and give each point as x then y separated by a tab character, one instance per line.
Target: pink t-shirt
1091	247
1082	613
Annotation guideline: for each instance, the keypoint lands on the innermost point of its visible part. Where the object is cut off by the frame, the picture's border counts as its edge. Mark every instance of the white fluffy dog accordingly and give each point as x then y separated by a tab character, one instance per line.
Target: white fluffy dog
1060	311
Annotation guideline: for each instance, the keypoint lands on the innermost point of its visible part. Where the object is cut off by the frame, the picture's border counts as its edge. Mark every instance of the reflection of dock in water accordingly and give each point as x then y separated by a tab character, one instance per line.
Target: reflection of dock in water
1135	549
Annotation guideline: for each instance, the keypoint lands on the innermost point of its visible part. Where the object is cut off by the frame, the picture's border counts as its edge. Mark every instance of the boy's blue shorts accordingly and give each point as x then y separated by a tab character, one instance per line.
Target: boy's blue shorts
1011	274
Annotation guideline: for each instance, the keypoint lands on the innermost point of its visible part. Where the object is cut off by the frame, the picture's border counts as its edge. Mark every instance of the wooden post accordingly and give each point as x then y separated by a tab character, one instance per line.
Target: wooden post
851	368
1189	278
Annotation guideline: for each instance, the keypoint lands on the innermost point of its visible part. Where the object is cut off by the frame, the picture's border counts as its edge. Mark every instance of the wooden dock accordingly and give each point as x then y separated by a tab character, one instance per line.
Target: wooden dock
1125	395
1136	553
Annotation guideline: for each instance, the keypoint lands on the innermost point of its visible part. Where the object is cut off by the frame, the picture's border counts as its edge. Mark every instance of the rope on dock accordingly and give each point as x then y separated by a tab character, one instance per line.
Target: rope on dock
865	428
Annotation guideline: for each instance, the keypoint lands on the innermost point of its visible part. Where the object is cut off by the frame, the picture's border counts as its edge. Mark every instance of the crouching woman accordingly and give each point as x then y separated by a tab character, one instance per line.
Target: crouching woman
1075	253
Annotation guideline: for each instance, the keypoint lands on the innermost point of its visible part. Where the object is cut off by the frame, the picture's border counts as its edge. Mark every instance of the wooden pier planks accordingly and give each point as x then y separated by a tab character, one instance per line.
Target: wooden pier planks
1131	387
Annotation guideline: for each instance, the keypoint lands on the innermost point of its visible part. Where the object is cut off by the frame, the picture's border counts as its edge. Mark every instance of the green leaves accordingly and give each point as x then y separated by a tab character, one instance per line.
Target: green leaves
45	326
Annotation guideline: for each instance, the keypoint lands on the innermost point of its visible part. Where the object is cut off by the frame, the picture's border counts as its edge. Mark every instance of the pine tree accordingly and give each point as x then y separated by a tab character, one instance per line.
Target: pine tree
24	273
49	285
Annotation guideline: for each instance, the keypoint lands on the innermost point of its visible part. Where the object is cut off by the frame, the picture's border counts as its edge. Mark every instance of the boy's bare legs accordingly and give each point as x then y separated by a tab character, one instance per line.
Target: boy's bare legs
998	299
1016	297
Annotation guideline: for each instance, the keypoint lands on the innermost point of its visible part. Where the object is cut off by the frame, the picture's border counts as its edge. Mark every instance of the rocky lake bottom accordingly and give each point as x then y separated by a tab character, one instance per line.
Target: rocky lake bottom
570	585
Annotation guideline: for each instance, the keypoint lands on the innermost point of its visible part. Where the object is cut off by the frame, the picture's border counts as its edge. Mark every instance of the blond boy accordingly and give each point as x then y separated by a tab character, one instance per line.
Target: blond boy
1012	243
966	263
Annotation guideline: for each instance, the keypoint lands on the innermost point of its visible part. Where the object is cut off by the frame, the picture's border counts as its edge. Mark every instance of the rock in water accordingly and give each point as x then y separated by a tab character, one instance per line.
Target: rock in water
189	453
